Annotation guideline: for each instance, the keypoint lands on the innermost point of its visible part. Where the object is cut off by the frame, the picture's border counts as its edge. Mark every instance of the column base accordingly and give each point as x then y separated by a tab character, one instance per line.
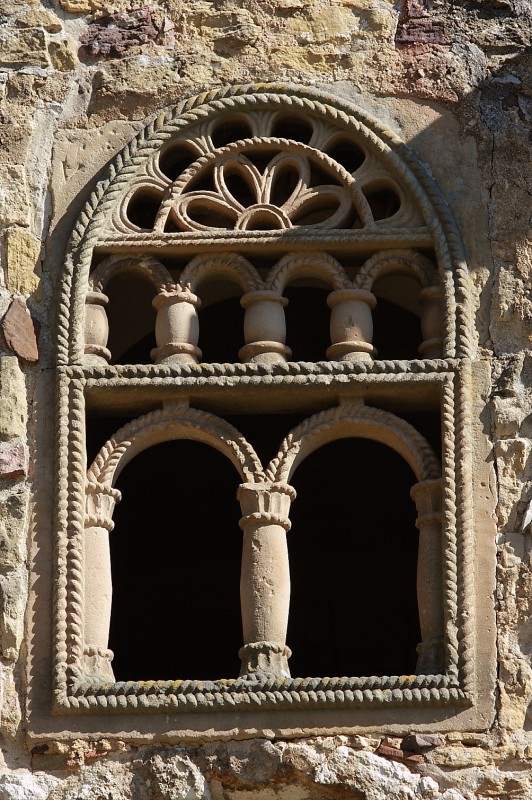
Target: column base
268	658
179	353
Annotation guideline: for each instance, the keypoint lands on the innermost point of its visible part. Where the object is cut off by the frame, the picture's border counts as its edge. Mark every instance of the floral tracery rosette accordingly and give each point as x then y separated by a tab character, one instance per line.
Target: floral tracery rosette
264	184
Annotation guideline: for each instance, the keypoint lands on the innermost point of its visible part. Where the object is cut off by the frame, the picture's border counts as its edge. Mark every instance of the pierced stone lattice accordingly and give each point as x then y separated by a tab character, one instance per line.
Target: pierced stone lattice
206	191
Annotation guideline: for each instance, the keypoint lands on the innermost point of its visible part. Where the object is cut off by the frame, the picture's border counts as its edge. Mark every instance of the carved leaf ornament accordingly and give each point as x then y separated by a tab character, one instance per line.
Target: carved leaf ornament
206	192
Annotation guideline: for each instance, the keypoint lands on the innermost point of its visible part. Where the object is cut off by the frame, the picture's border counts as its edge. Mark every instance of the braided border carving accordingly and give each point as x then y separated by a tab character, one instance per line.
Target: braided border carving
401	161
72	691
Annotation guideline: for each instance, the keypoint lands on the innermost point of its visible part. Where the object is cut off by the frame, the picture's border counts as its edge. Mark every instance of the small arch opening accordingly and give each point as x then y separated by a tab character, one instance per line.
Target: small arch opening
175	159
143	208
353	556
175	558
211	215
285	181
239	188
396	318
384	200
131	318
307	321
292	127
221	322
346	153
230	130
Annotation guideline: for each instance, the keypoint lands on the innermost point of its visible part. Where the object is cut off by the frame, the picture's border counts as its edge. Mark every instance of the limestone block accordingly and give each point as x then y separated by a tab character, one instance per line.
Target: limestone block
86	6
26	47
13	588
13	514
13	393
17	326
35	17
63	54
23	252
14	200
331	24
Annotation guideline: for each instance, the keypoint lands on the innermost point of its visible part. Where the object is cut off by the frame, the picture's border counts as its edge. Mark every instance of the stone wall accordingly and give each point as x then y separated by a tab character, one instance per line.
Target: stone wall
454	80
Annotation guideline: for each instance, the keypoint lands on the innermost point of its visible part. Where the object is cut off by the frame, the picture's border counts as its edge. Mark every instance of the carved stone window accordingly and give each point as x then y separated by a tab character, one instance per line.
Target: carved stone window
251	203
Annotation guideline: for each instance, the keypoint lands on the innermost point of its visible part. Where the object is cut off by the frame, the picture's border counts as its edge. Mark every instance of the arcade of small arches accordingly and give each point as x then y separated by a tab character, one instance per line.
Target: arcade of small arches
265	497
351	300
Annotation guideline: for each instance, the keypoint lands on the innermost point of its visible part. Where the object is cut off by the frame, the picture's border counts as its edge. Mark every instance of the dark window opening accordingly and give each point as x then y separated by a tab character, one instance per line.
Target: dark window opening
143	208
396	332
347	154
383	201
295	128
175	555
221	326
353	554
230	131
131	319
307	323
175	159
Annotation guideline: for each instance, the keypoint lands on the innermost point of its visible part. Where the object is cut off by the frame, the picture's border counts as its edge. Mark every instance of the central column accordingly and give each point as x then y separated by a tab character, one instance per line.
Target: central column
265	577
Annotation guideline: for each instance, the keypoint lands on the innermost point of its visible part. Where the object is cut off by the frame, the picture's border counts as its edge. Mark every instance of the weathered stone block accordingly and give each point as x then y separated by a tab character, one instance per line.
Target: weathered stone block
13	513
17	326
26	47
35	17
63	54
13	460
14	201
23	251
13	392
13	588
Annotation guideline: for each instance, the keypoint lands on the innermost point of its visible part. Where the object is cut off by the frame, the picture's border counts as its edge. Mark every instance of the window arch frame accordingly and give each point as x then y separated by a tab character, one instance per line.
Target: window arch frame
455	693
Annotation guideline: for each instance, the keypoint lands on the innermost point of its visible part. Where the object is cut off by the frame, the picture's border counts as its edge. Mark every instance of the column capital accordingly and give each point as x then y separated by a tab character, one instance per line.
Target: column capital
265	504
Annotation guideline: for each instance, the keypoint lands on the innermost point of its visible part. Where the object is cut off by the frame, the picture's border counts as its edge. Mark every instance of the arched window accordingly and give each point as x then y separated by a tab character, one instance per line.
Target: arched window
231	282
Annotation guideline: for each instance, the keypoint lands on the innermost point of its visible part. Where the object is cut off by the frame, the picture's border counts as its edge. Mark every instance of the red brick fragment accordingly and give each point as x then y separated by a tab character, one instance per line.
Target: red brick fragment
395	754
117	33
13	460
18	329
416	25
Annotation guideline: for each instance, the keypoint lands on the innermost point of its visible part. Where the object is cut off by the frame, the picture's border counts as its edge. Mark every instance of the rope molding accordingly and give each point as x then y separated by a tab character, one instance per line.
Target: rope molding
72	692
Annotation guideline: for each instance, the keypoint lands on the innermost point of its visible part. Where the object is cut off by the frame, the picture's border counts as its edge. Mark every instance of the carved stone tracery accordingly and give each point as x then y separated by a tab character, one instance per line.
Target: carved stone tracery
338	200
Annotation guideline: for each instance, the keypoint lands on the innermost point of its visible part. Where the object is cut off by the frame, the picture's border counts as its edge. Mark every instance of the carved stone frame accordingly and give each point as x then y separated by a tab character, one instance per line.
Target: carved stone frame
462	696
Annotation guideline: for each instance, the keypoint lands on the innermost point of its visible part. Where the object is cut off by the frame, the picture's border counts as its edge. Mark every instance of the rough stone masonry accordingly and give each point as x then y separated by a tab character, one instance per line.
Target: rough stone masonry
77	80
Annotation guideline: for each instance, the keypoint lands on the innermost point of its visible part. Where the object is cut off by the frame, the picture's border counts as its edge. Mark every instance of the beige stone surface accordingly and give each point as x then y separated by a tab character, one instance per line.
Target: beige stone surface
23	254
14	200
63	54
40	17
13	407
26	47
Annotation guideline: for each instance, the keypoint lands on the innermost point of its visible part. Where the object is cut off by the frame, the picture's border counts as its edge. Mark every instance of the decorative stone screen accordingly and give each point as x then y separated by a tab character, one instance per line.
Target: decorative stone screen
268	188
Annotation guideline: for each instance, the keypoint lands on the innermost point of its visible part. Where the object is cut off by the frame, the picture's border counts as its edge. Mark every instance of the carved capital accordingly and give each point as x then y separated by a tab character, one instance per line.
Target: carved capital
265	504
427	497
100	503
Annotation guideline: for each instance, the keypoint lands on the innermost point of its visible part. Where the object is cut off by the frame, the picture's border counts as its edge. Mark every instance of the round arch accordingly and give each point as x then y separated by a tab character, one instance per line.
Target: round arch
168	424
383	145
351	420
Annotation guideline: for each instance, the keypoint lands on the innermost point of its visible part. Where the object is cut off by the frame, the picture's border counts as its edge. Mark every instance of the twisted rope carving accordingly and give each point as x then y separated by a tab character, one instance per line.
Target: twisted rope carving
320	265
272	693
389	261
400	160
144	265
230	265
449	501
368	422
466	620
157	426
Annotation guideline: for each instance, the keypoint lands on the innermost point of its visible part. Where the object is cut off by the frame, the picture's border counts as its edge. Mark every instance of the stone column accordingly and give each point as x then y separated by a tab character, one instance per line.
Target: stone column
431	322
98	589
176	327
264	328
427	497
351	325
265	577
96	329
